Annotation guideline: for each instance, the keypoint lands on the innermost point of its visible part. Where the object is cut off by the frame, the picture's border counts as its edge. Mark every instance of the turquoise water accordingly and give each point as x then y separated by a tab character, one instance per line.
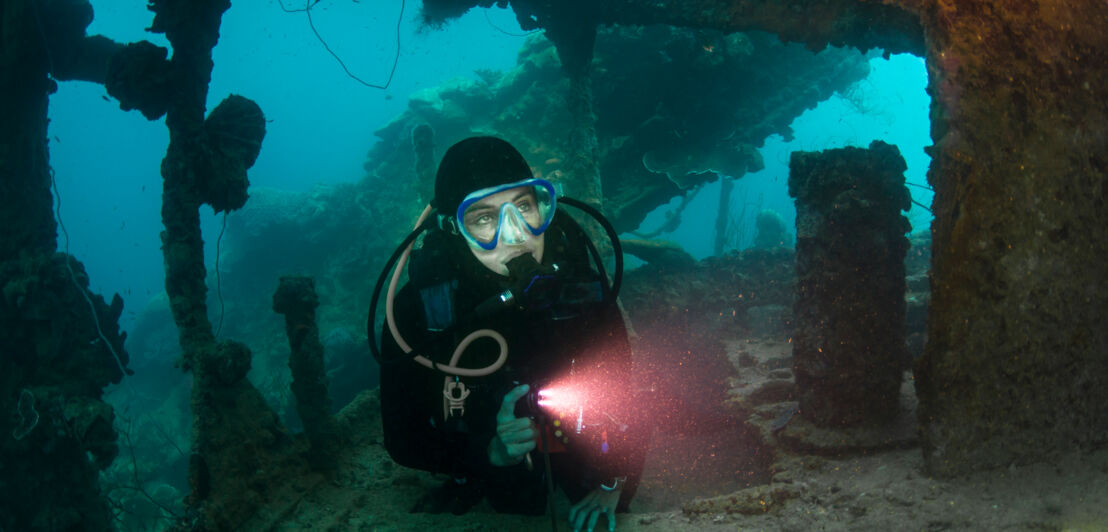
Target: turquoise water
891	104
321	124
320	121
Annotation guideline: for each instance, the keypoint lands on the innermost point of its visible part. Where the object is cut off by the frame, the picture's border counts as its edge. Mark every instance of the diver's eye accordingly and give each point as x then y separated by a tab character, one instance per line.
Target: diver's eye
525	205
479	219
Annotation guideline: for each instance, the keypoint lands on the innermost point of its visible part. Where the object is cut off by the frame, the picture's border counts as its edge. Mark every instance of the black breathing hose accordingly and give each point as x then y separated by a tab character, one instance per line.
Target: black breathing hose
611	294
617	248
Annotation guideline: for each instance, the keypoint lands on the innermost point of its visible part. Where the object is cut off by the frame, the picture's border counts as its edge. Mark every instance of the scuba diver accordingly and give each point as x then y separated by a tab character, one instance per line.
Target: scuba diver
505	362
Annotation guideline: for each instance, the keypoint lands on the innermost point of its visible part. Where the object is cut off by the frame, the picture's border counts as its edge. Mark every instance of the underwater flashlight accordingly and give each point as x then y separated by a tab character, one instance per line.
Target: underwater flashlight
574	414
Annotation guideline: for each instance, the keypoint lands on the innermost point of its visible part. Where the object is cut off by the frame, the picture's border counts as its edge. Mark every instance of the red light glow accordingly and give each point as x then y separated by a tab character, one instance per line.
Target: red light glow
591	408
562	399
596	398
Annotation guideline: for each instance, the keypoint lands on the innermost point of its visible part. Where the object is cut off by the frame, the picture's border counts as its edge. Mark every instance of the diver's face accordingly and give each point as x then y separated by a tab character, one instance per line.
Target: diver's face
514	239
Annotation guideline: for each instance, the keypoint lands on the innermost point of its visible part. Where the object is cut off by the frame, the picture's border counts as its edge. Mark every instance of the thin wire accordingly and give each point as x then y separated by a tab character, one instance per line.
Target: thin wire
307	10
287	10
925	187
922	206
497	28
73	277
218	282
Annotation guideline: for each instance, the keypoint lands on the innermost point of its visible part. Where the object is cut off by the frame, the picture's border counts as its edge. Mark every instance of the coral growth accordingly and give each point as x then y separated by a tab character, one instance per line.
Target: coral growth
233	134
26	414
770	231
58	431
701	102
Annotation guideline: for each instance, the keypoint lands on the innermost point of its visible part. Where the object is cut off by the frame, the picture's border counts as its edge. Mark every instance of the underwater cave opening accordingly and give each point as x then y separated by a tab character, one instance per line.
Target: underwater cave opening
890	104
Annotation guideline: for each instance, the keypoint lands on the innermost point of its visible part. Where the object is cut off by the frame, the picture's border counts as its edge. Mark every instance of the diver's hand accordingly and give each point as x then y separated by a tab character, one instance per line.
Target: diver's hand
597	502
515	436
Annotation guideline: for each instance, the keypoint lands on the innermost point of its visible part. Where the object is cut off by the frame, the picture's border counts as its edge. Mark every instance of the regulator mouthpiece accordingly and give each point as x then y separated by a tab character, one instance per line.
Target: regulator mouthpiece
534	286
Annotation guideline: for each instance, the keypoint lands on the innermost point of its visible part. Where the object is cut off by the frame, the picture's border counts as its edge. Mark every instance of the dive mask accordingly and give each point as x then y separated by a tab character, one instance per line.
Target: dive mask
509	213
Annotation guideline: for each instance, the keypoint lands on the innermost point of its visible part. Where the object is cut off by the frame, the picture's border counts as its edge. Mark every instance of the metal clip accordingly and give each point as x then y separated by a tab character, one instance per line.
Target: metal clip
454	394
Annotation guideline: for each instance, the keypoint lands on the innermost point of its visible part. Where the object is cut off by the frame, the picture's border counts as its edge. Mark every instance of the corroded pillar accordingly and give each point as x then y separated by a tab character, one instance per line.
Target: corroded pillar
60	342
296	300
848	347
574	38
573	33
1016	364
26	206
723	216
238	441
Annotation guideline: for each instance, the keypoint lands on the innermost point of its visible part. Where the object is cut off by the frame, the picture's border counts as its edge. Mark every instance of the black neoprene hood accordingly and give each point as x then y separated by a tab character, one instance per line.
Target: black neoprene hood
473	164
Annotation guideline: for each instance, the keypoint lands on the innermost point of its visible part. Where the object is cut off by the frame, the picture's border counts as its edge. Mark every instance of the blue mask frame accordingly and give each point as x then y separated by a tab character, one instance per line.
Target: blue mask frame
541	185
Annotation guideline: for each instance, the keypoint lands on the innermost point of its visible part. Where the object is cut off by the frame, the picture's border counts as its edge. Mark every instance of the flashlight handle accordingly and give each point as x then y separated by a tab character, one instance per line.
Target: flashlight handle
494	304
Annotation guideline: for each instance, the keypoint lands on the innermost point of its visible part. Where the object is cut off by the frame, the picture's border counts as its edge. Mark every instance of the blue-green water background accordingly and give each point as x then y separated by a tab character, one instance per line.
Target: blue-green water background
321	123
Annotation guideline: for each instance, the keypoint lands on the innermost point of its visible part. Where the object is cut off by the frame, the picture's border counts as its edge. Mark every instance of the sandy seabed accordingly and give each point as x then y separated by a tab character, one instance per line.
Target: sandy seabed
881	490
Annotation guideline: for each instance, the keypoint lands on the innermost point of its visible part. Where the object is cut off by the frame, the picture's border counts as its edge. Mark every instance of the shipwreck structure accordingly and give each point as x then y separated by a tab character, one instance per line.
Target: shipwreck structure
1014	369
849	338
1013	372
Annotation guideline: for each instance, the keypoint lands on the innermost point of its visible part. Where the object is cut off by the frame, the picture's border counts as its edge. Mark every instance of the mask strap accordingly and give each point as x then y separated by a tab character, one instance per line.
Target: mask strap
448	224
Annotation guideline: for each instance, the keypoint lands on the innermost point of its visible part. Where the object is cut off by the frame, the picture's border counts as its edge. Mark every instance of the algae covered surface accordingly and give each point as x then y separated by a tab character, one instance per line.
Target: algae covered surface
882	490
990	413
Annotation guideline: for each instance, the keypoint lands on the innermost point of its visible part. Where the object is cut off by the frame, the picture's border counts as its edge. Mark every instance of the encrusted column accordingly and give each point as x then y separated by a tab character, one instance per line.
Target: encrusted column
574	38
60	343
723	216
1015	369
848	349
238	440
26	207
573	32
296	300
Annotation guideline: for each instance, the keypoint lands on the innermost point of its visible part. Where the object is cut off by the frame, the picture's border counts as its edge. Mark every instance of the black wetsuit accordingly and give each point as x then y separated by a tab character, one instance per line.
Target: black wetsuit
542	345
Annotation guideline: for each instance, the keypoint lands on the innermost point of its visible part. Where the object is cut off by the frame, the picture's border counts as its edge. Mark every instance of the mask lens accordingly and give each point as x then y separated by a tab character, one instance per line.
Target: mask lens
510	212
